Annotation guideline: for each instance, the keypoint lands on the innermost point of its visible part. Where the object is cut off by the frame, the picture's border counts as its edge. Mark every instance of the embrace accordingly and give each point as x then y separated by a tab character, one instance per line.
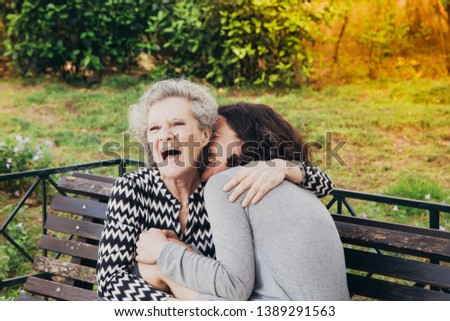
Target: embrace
226	209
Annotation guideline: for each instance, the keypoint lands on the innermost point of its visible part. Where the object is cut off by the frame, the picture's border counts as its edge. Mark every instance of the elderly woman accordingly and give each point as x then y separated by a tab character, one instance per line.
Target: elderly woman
174	120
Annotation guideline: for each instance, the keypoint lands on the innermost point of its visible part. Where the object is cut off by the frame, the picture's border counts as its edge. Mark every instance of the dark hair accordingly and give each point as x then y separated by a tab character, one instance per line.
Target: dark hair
264	132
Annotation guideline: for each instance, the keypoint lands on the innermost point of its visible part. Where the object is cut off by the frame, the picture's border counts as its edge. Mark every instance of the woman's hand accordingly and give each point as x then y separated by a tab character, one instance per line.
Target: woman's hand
152	276
150	246
258	178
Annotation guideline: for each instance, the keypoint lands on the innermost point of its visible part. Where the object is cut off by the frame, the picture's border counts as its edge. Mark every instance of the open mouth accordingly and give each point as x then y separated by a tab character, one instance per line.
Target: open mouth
170	153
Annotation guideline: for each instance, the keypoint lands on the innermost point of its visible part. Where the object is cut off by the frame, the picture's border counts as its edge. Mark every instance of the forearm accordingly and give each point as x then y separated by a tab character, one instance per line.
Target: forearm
152	276
316	180
232	275
155	278
293	173
306	176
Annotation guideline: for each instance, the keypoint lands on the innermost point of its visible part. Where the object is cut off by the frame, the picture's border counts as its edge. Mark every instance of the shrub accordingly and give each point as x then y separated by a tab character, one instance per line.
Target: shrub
76	37
6	7
235	42
264	42
383	37
226	42
181	37
12	262
21	154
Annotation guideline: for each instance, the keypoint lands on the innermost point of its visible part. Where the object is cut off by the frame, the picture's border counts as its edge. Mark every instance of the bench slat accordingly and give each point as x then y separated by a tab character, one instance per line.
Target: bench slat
87	208
70	270
383	290
58	290
85	229
391	226
94	177
73	248
396	267
402	242
87	187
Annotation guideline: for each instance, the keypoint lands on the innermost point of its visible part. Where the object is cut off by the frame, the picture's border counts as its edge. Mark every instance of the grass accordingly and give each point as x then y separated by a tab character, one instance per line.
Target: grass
391	130
396	135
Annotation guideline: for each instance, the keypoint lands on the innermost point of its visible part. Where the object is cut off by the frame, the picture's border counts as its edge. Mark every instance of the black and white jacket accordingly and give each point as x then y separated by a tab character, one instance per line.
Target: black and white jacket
139	201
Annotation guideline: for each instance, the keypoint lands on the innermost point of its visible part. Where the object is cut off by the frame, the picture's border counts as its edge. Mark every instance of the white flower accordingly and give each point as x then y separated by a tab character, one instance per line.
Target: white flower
427	197
20	225
48	143
442	228
8	166
36	157
26	140
9	161
16	149
19	138
2	143
17	193
364	215
395	209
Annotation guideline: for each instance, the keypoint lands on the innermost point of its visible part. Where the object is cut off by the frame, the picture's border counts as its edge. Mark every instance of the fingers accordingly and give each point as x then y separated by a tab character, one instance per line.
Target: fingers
266	188
149	246
259	190
237	179
170	234
257	181
241	189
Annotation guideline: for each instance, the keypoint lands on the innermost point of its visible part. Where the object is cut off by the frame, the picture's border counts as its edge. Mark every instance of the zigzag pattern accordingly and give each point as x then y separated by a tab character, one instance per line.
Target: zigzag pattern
139	201
316	181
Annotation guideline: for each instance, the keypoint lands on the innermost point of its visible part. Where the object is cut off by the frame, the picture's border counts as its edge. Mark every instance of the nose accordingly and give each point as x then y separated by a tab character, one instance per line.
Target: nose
165	134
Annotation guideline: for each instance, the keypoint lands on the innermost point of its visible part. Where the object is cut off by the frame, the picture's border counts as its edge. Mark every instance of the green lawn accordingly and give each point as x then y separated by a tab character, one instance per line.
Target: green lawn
397	140
397	134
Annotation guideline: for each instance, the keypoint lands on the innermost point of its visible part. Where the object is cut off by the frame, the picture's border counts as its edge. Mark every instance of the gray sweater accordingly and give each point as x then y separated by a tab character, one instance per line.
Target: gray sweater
284	248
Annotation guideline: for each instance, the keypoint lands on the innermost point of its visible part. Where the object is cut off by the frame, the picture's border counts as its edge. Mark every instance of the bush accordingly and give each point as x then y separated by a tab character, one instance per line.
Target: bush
182	37
12	262
6	7
265	42
226	42
235	42
76	37
21	154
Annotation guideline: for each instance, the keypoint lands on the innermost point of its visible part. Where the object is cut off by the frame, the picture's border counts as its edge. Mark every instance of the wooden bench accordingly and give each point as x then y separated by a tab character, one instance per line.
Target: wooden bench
73	230
385	261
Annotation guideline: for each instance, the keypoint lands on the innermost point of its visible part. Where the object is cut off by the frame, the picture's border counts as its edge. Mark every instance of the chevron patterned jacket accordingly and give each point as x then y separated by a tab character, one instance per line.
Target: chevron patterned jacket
139	201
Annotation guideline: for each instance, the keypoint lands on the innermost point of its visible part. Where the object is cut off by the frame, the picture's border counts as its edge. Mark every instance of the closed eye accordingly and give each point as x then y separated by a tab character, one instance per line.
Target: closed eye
179	123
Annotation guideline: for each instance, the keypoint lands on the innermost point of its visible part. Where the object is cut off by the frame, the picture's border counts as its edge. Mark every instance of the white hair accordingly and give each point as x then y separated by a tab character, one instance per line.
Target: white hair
202	103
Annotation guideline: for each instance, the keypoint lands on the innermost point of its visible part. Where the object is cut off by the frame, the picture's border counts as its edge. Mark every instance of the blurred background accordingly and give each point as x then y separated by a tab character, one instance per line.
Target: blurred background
374	74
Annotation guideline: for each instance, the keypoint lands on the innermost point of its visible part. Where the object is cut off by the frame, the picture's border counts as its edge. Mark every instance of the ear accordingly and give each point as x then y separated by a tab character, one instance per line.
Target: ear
206	136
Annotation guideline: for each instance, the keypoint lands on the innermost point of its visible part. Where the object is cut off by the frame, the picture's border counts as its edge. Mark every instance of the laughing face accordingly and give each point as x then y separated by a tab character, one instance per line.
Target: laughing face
174	136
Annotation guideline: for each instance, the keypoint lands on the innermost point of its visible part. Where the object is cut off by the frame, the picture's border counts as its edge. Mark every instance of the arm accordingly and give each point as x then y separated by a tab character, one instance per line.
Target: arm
315	180
258	178
232	275
117	247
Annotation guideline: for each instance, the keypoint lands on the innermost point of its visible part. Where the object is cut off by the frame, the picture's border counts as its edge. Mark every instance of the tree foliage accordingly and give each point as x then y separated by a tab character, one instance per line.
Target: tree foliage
226	42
